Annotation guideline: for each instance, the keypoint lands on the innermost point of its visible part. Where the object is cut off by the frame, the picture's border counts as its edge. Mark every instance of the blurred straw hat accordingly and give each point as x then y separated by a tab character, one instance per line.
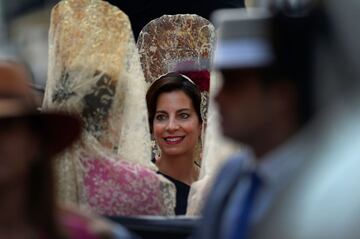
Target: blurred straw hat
17	102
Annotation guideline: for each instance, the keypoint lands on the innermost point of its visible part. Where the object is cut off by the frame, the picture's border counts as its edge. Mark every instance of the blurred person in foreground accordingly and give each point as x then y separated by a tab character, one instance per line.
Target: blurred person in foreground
28	141
323	200
267	103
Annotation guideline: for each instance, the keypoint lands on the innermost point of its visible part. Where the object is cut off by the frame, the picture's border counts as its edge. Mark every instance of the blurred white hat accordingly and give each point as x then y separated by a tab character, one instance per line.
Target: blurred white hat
243	38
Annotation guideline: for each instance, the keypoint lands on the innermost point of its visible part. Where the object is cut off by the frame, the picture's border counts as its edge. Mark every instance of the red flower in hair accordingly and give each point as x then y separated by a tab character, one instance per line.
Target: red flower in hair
200	78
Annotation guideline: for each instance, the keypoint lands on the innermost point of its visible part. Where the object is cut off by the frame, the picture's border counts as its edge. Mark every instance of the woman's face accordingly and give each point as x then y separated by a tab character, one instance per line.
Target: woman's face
176	126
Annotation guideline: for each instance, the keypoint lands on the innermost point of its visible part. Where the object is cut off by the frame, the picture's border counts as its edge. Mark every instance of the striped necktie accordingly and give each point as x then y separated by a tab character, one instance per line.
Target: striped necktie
244	214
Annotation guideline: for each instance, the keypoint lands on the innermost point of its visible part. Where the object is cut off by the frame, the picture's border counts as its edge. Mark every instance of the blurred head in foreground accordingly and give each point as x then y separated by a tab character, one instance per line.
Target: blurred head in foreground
28	141
265	61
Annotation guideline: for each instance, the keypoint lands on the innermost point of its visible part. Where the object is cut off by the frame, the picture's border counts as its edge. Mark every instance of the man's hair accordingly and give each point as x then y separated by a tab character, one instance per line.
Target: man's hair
293	39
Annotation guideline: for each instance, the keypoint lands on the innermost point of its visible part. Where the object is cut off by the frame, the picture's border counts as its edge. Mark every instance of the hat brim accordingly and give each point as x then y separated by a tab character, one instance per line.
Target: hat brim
57	131
242	54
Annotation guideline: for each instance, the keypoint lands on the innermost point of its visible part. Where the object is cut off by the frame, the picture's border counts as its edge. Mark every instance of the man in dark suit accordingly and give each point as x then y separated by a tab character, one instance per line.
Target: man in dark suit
323	199
267	103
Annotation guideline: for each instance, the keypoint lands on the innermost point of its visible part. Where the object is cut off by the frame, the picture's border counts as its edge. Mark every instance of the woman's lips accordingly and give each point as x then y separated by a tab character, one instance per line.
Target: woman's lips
174	139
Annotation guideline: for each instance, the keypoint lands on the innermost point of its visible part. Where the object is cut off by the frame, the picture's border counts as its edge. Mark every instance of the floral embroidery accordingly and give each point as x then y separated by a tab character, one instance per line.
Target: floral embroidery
97	104
63	89
119	187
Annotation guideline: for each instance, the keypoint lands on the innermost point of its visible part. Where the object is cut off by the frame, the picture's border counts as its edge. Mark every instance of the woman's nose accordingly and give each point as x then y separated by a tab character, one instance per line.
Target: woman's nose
172	125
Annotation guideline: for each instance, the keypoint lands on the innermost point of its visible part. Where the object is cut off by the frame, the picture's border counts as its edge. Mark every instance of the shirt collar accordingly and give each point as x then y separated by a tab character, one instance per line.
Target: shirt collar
278	166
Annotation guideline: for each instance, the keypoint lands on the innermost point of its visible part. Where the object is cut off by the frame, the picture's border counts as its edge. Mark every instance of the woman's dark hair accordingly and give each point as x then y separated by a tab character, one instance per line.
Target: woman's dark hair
168	83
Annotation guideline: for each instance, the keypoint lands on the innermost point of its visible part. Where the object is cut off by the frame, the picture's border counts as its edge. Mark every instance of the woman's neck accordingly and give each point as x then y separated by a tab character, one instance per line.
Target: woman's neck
181	168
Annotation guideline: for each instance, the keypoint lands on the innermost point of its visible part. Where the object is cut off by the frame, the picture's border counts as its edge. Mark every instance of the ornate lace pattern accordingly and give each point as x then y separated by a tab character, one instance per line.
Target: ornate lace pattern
95	72
182	42
118	187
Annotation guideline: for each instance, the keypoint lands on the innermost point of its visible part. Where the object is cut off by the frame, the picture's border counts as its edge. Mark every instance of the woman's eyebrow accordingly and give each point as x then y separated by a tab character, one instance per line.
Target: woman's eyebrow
179	110
184	109
161	111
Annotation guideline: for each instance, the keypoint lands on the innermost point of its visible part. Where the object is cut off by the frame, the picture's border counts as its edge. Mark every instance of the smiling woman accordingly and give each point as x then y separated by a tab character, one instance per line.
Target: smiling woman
175	121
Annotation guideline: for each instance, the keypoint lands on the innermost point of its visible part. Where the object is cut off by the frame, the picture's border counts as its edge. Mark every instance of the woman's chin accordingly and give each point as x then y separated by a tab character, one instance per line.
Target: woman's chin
172	152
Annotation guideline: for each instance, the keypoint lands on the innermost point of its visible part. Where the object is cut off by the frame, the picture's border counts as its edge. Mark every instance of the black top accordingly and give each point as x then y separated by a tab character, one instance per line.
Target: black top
182	193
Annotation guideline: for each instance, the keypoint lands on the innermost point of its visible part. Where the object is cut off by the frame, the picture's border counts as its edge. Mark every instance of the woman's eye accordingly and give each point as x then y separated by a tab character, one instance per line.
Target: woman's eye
160	117
184	115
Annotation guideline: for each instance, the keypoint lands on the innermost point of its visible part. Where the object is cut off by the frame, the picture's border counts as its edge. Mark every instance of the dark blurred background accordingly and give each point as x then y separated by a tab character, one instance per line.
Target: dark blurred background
24	24
139	11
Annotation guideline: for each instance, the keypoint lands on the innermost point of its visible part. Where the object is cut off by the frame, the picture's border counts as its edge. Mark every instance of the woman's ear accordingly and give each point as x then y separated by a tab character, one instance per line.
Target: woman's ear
152	135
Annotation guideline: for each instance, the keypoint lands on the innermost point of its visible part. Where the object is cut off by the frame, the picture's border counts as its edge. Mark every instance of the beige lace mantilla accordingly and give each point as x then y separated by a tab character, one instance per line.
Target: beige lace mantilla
95	72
